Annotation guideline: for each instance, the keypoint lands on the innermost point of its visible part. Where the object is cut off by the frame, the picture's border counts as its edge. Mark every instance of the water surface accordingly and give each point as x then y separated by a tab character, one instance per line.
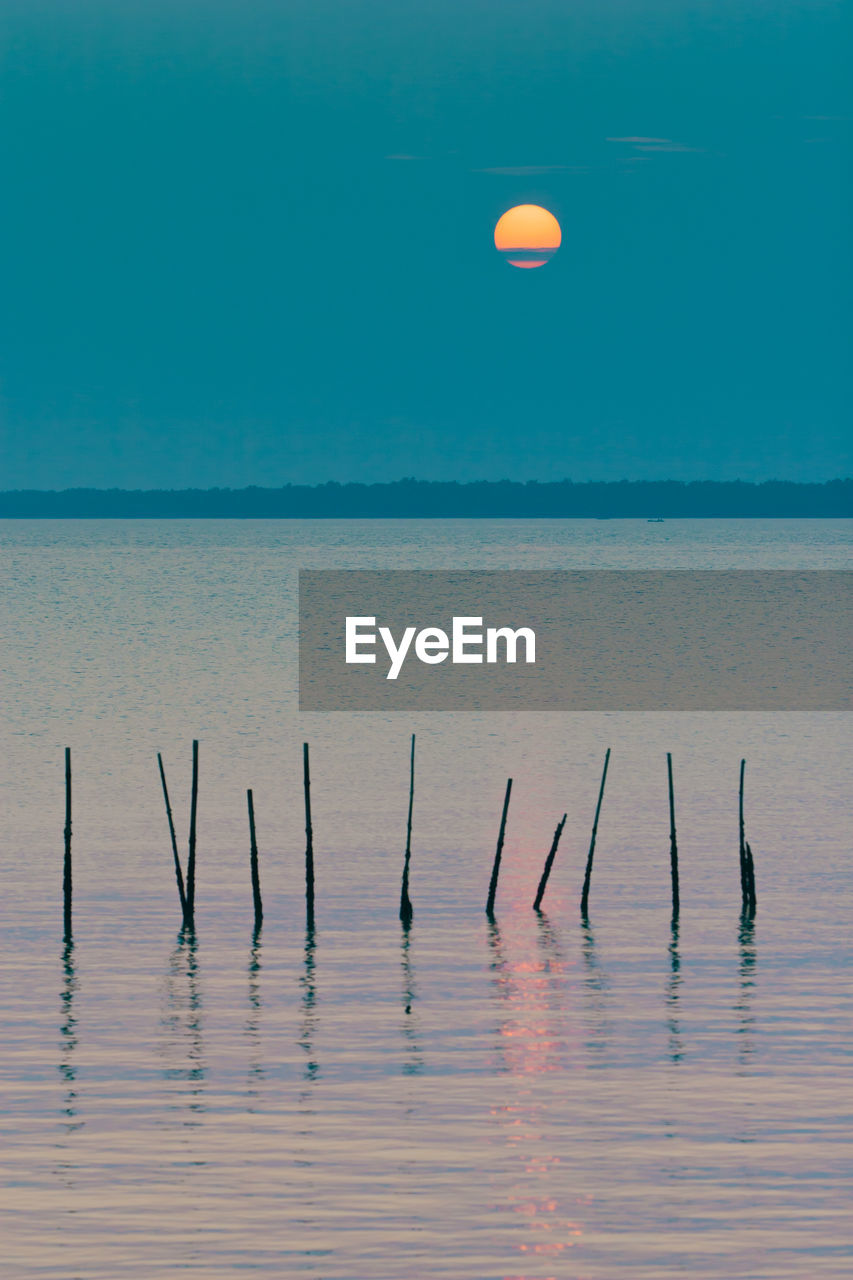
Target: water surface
532	1098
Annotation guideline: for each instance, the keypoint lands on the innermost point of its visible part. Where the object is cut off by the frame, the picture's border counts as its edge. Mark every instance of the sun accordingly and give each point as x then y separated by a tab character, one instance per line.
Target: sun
527	235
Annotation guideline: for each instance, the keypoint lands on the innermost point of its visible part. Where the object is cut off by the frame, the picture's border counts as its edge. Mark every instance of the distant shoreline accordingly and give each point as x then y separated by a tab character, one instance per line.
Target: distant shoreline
422	499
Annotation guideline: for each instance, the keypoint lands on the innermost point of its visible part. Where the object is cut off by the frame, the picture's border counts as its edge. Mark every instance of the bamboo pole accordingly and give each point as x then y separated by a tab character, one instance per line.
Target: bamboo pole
309	838
549	862
253	864
179	875
744	875
66	862
751	903
496	867
591	854
190	920
673	842
406	911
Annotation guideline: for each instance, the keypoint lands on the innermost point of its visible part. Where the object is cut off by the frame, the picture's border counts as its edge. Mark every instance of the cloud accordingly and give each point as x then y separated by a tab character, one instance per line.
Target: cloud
527	170
403	156
667	146
640	143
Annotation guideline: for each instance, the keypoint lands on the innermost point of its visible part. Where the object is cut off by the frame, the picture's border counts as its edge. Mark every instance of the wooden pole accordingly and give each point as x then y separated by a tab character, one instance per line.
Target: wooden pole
549	862
309	839
744	875
66	863
751	900
496	867
253	863
589	857
190	921
673	843
179	875
406	911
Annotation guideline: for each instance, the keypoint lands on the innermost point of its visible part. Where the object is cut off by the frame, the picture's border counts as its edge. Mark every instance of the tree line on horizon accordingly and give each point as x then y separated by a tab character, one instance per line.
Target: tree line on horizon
410	498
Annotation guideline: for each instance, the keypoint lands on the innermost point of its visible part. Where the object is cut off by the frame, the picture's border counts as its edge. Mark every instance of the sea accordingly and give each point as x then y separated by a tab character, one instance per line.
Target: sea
528	1097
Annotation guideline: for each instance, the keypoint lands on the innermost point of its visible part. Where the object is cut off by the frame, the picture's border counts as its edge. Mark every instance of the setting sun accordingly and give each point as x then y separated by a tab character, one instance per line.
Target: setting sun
527	235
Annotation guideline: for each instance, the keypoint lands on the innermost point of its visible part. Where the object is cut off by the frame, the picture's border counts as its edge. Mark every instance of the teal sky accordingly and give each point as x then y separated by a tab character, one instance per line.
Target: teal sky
252	242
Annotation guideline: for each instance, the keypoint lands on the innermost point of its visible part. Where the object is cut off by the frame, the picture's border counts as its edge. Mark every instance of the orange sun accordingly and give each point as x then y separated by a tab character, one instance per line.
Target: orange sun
527	235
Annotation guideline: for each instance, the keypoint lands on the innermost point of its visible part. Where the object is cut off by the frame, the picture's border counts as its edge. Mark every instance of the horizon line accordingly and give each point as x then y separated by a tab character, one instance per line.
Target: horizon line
415	481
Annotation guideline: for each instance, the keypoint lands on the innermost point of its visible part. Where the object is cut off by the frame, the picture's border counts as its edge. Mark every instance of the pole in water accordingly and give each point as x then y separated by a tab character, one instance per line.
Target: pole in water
66	864
496	868
406	911
589	857
179	875
549	862
253	863
190	916
744	873
673	843
751	901
309	839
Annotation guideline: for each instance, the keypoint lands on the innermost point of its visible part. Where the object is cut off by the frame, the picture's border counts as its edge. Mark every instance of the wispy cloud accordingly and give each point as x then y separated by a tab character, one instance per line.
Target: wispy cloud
528	170
641	143
666	146
403	156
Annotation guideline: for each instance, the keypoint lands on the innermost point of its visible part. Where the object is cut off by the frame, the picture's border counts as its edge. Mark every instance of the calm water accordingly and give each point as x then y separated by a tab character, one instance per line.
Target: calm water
532	1100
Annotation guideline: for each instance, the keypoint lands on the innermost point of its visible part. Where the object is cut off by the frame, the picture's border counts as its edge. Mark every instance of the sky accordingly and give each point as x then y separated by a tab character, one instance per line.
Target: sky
252	243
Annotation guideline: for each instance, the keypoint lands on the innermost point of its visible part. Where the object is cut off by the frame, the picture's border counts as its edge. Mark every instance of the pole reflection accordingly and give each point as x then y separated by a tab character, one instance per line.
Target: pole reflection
182	1023
305	1153
256	1072
308	983
413	1064
746	982
68	1041
596	987
676	1048
549	942
499	981
553	969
